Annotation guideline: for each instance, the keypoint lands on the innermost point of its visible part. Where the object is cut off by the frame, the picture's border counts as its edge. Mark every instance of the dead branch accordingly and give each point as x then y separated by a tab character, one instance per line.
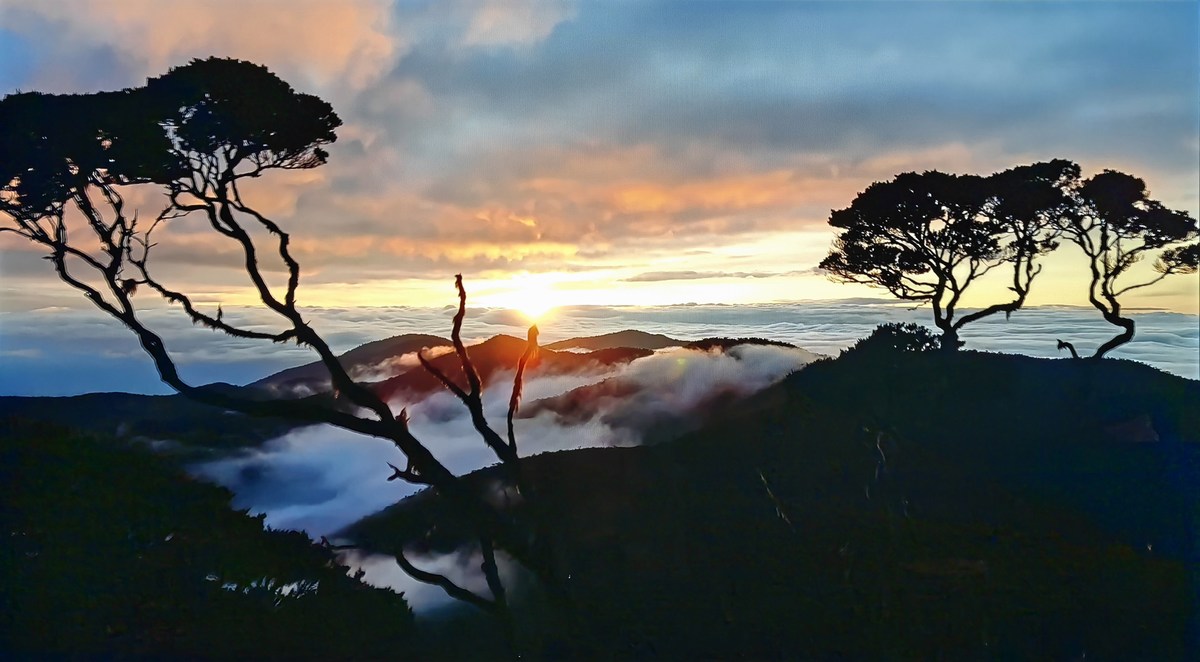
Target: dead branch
453	590
514	401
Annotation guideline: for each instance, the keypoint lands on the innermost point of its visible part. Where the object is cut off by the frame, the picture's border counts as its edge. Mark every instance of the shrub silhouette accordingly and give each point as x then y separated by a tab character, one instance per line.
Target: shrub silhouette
896	337
112	551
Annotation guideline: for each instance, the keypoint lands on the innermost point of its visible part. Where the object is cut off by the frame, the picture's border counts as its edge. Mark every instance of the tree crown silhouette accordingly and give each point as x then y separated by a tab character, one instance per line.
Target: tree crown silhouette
197	131
1116	225
929	236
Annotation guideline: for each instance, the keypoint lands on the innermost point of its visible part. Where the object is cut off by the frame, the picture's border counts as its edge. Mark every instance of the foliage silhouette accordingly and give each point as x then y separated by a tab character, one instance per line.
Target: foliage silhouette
112	551
1116	224
927	237
896	337
199	131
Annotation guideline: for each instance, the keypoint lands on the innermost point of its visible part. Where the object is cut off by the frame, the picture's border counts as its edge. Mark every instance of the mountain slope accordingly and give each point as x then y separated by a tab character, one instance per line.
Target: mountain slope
500	354
892	505
627	338
380	356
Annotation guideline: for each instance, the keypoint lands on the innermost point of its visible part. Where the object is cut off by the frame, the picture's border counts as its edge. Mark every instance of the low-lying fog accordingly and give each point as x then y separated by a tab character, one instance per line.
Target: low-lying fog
321	479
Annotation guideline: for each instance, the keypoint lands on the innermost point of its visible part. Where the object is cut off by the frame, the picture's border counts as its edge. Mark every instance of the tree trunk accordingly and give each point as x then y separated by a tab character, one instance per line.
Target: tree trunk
949	340
1124	337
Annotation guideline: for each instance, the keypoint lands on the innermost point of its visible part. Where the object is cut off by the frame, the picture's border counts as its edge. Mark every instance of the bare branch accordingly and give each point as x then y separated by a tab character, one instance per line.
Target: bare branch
453	590
514	401
472	399
407	474
284	252
456	338
441	377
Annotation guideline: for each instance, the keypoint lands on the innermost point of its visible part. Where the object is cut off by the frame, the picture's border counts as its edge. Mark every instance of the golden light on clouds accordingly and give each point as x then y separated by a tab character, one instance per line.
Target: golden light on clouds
532	295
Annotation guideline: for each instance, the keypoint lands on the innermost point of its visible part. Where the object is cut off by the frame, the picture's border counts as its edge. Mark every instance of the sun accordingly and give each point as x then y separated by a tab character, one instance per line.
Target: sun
535	308
532	299
533	296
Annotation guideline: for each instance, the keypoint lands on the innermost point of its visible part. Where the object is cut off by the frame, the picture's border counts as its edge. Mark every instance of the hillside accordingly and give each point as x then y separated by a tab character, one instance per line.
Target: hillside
885	504
112	552
367	360
153	418
500	354
627	338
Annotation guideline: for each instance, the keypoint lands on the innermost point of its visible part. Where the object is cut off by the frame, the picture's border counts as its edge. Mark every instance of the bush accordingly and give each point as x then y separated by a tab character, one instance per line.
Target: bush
110	551
897	337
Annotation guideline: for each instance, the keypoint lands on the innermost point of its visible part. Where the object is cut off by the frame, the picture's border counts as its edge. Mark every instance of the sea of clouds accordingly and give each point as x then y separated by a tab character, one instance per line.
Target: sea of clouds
59	351
320	479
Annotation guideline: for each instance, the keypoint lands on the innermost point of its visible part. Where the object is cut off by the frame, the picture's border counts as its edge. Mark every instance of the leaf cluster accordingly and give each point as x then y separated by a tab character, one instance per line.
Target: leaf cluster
207	113
916	234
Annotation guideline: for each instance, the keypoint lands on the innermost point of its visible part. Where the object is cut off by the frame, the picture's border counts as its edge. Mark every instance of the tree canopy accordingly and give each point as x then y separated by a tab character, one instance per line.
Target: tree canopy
929	236
198	127
197	131
1116	225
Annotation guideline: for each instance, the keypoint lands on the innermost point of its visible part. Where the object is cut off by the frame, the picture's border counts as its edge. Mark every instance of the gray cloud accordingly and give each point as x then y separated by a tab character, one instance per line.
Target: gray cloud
657	276
633	128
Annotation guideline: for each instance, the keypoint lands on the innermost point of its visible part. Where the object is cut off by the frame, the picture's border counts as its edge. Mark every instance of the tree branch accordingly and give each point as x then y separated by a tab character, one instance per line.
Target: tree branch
453	590
514	401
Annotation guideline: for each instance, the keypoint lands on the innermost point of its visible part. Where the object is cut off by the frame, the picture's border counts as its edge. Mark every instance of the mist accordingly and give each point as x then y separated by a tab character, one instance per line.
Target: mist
39	345
320	479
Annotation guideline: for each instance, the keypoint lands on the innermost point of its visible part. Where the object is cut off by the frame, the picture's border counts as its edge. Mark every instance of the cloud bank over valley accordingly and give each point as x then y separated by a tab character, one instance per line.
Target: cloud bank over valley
39	347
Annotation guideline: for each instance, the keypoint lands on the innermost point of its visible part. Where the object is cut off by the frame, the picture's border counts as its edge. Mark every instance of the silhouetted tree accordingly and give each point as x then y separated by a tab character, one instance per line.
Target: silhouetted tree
1117	224
199	132
928	237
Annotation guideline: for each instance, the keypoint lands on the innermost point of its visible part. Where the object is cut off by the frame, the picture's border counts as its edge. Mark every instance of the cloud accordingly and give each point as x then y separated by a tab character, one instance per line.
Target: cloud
544	136
658	276
343	42
321	479
633	141
72	337
514	22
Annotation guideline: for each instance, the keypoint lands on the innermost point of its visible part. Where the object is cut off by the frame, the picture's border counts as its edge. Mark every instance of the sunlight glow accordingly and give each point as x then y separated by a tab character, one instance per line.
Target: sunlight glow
532	295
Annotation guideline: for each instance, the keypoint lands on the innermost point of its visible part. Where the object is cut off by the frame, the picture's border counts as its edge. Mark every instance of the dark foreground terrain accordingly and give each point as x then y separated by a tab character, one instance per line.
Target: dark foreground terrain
884	505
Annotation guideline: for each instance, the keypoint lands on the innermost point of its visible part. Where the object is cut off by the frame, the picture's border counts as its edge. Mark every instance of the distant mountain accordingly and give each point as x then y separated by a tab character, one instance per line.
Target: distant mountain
200	427
501	354
370	362
626	338
153	418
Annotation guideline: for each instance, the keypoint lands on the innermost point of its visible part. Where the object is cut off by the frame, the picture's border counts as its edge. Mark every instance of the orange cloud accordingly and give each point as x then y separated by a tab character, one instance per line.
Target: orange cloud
322	42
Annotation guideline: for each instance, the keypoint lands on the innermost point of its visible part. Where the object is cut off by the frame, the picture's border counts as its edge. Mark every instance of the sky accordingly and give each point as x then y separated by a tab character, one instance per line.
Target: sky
631	153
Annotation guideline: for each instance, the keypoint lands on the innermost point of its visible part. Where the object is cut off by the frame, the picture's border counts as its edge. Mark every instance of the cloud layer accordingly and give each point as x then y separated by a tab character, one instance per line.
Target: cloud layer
321	478
631	141
63	351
